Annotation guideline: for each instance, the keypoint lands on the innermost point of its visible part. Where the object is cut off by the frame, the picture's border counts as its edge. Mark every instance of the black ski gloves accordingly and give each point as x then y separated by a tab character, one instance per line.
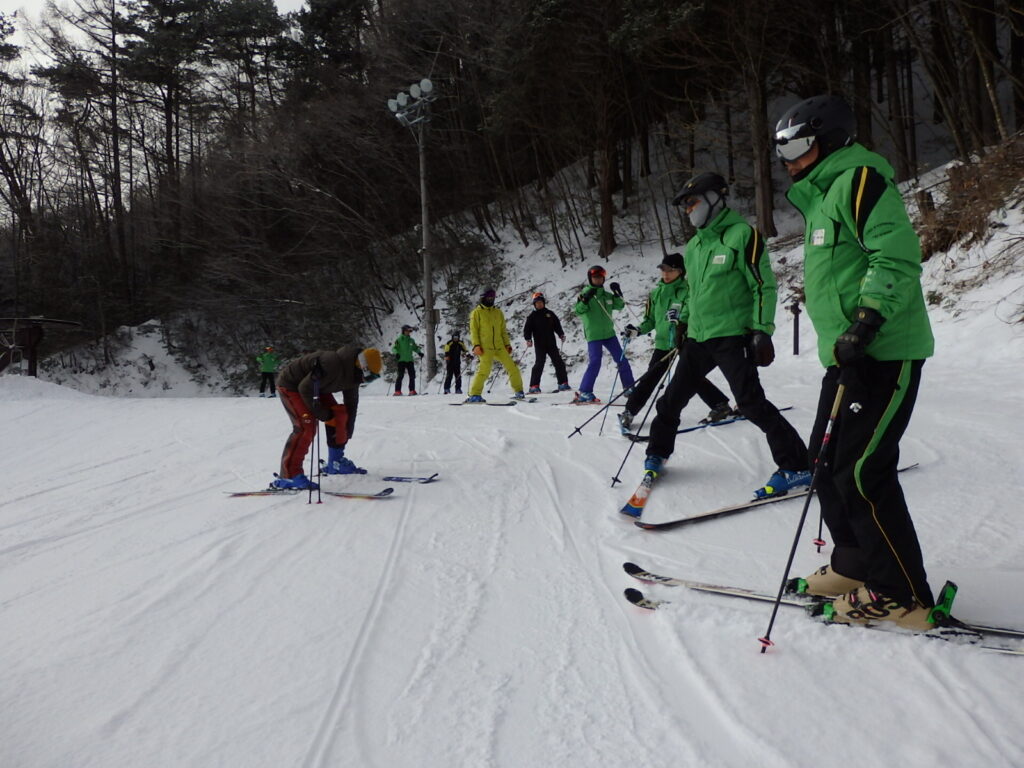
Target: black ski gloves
851	346
631	331
762	351
616	289
588	294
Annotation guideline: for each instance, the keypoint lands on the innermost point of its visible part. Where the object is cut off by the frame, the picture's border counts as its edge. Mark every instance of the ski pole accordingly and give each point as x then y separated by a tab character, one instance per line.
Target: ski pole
314	453
666	377
818	462
606	406
618	366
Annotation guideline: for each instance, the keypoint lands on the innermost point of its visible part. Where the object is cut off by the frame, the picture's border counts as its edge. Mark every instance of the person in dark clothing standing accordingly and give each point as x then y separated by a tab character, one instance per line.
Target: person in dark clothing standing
306	386
726	322
542	326
454	350
662	316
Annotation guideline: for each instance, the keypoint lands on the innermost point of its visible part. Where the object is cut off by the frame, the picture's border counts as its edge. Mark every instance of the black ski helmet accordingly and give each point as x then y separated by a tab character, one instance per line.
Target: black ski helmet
701	184
826	119
538	296
710	190
596	271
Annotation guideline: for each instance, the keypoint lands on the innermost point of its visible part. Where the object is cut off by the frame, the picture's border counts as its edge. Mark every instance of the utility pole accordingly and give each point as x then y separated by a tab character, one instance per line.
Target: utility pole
415	114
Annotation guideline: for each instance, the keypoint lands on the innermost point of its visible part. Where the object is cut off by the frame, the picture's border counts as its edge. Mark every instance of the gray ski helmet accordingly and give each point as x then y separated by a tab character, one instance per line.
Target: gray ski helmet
710	189
825	119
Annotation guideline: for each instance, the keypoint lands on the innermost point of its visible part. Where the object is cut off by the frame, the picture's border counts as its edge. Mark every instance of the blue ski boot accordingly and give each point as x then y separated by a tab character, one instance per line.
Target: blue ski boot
298	483
782	482
653	463
337	464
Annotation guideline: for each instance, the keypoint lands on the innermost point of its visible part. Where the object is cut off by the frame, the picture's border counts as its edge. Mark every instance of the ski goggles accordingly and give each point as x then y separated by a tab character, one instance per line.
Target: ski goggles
597	272
789	145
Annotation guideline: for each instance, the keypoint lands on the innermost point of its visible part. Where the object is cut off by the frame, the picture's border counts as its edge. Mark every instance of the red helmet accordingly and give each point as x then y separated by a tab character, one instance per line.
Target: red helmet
538	296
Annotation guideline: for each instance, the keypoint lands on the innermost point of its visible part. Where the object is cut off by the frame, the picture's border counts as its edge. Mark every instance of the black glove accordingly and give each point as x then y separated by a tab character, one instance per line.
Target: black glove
762	351
672	315
616	289
680	335
421	355
631	331
852	344
588	294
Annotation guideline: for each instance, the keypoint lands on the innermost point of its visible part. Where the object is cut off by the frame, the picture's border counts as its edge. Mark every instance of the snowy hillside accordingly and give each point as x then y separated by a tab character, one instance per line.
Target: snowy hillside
150	620
147	619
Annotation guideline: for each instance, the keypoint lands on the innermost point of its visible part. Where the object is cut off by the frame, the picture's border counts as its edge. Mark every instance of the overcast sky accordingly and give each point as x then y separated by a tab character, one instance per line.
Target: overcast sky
33	8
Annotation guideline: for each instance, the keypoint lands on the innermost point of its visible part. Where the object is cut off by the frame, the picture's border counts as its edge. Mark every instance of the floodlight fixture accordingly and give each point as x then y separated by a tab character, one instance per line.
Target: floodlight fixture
414	91
403	99
426	86
393	105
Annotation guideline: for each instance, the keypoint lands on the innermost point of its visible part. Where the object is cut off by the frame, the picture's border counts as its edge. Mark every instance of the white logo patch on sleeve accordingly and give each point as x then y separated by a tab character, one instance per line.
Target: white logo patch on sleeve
719	259
818	237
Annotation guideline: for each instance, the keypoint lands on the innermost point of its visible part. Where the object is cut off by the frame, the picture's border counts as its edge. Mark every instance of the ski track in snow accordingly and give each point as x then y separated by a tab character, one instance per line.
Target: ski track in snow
335	709
148	619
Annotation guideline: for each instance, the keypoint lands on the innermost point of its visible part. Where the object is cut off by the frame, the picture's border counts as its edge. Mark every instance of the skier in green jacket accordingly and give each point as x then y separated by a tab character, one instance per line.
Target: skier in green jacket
595	307
862	278
727	321
268	363
661	316
403	349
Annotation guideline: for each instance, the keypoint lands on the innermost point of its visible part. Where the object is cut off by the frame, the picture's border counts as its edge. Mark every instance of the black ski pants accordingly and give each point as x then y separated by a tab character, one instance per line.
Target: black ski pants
267	380
644	386
544	352
404	368
728	354
453	371
858	486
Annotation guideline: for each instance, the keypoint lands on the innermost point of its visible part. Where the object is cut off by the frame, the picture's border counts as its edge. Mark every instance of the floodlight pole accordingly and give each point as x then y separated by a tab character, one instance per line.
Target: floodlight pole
428	274
414	114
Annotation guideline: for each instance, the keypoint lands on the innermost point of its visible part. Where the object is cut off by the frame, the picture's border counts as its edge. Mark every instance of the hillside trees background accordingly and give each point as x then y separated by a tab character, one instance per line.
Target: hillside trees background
236	172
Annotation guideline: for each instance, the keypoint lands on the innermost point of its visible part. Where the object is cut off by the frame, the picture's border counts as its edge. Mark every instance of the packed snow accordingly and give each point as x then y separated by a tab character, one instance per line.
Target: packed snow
148	619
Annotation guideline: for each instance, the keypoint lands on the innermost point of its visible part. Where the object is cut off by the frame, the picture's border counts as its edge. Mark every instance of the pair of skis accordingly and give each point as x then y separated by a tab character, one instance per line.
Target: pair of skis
296	491
636	504
947	628
510	402
383	494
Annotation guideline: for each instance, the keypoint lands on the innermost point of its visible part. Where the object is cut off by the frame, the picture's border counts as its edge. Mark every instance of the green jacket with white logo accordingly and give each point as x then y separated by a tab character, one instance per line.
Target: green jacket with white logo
661	299
596	314
860	250
730	279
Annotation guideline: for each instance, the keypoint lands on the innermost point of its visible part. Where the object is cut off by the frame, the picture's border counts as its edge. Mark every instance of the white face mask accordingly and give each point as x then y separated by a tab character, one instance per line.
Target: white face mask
703	211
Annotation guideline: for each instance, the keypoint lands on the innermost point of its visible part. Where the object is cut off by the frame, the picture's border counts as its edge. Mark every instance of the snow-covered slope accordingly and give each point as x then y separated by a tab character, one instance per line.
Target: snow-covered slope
146	619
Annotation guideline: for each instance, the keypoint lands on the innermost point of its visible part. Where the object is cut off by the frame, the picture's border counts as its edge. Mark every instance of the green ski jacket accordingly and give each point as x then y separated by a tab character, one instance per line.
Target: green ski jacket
404	348
730	279
664	297
860	250
597	313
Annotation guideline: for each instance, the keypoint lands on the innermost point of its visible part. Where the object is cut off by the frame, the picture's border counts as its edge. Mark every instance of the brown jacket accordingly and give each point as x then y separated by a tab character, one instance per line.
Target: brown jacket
341	373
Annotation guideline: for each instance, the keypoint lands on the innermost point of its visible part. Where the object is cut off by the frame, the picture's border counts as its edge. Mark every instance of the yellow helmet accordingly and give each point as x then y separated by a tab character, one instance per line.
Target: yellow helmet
370	362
